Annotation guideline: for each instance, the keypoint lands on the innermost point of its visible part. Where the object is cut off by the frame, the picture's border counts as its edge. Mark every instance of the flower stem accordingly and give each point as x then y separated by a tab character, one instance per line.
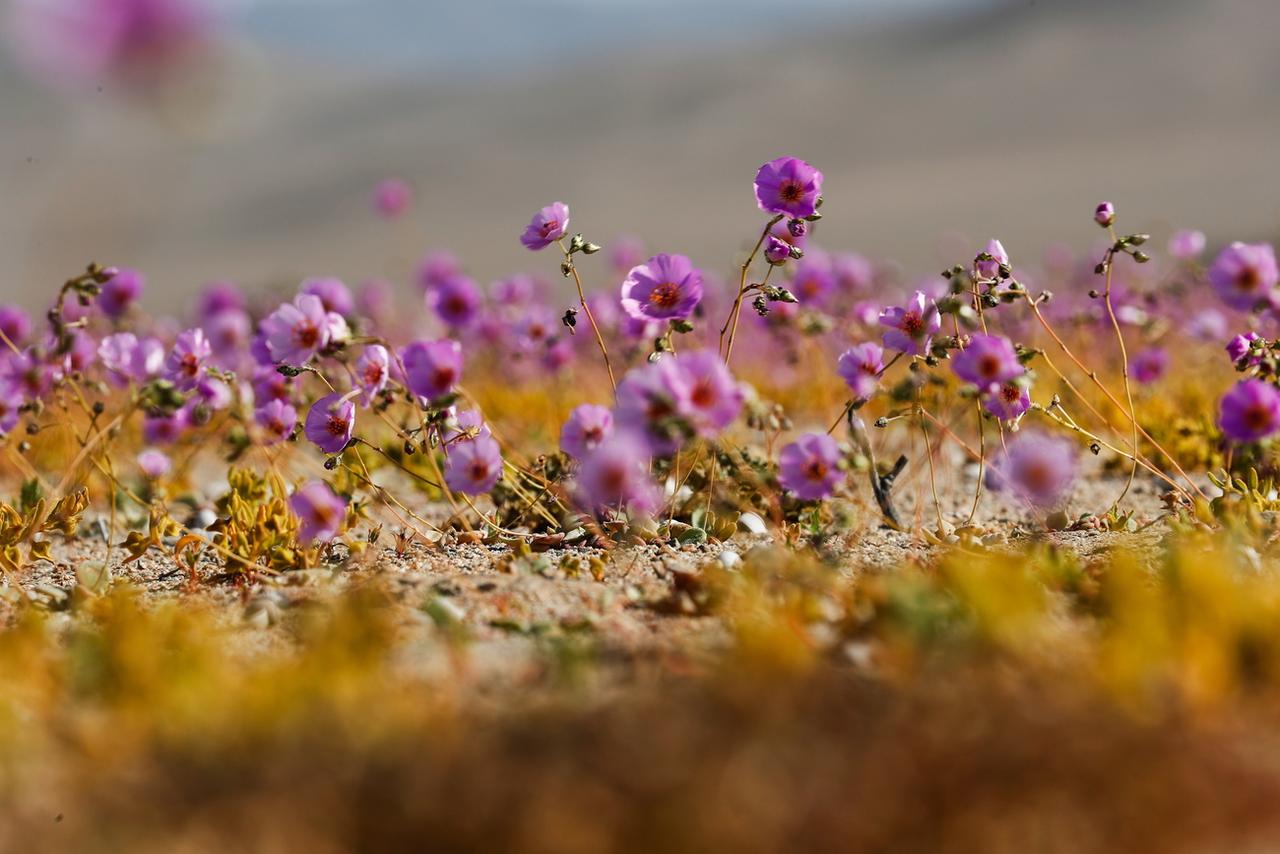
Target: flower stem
731	322
586	309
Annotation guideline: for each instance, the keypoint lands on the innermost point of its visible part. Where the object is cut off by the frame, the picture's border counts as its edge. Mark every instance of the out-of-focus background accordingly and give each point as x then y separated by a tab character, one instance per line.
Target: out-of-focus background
245	144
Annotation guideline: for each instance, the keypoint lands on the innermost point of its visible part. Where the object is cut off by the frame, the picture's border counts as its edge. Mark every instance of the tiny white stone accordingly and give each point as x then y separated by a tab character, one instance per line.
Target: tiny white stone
752	523
730	559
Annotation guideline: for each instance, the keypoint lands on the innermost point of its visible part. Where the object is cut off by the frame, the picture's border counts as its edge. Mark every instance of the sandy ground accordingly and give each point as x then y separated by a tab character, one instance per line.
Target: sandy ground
509	608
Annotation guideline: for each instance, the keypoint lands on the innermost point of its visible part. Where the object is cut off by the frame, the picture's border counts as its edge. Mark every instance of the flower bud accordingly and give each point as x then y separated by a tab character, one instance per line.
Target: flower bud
1105	214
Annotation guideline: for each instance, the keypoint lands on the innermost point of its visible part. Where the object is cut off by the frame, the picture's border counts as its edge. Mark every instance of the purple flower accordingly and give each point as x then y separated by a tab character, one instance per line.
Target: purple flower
277	419
1250	411
547	226
1241	345
1037	468
319	510
10	402
116	354
435	267
990	268
809	467
813	282
14	324
297	330
788	186
1105	214
217	297
456	301
853	273
25	372
615	476
1186	244
912	326
154	464
330	423
187	359
463	424
269	384
162	429
432	368
1244	275
712	397
333	293
228	333
120	292
1149	364
776	251
213	394
392	197
860	367
473	465
587	426
666	287
372	370
376	298
988	360
1207	324
625	253
513	291
1007	401
651	401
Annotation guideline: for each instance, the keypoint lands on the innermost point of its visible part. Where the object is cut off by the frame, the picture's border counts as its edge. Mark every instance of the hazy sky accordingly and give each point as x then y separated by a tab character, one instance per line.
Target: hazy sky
476	35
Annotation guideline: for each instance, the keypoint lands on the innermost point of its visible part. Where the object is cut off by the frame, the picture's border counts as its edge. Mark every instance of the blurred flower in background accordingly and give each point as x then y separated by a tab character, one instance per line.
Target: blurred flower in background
81	42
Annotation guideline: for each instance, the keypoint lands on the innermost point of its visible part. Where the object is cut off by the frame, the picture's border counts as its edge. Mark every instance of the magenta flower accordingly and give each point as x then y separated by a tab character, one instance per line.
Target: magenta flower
473	465
213	394
1186	244
334	295
372	370
1007	401
277	419
319	510
10	403
1149	365
1244	275
712	398
912	326
120	292
1105	214
187	359
376	299
392	197
297	330
1036	468
269	384
513	291
116	354
809	467
615	476
788	186
228	333
217	297
587	426
625	253
81	40
989	269
813	282
330	423
435	267
860	367
854	273
988	360
456	301
651	402
154	464
463	424
666	287
1250	411
26	372
776	251
432	368
1241	345
14	324
162	429
547	226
